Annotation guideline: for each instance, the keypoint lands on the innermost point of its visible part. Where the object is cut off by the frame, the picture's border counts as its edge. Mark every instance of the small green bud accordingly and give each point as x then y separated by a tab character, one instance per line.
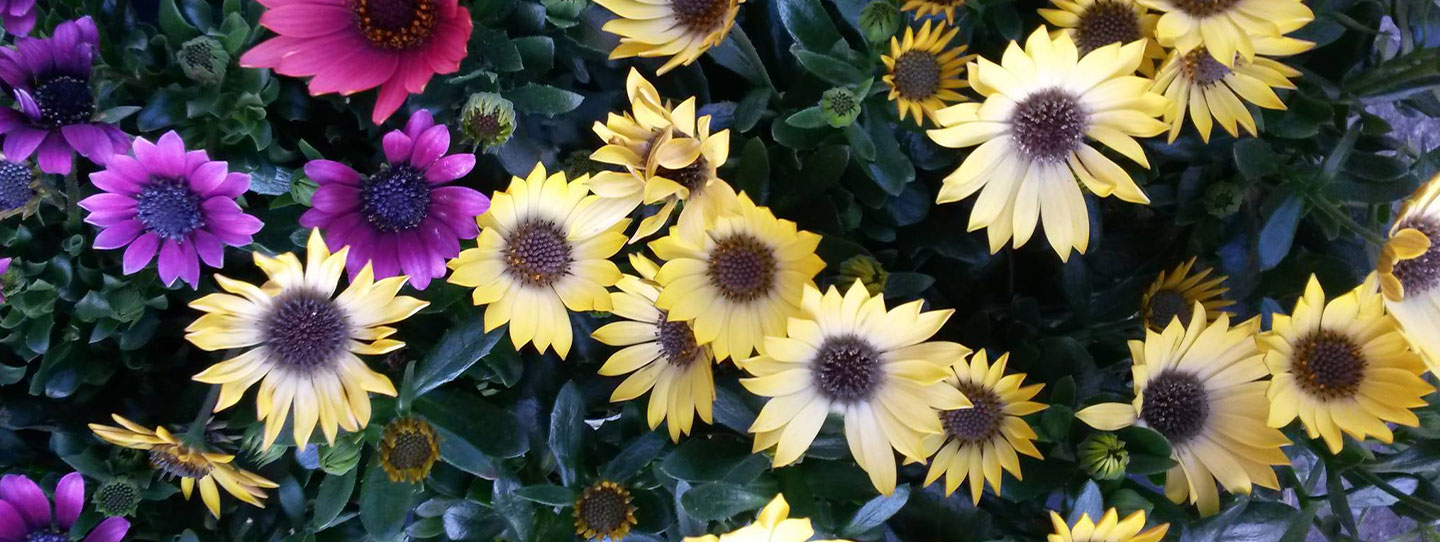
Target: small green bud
116	497
1223	199
880	20
866	270
488	120
840	106
1103	456
343	456
203	60
578	162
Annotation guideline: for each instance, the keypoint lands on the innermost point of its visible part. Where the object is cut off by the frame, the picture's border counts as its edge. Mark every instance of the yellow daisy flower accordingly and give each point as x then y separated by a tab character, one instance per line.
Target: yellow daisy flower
983	439
1041	103
847	355
210	471
736	277
1226	27
923	71
544	247
773	524
1175	291
1409	270
1197	83
409	447
1110	529
305	340
659	354
604	512
1093	24
1200	385
1342	366
925	8
679	29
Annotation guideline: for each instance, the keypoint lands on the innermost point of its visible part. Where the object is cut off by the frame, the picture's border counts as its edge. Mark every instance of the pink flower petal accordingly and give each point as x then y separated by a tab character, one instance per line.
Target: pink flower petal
420	121
397	146
119	235
307	20
139	253
22	493
330	171
450	168
336	198
69	499
55	155
363	69
430	146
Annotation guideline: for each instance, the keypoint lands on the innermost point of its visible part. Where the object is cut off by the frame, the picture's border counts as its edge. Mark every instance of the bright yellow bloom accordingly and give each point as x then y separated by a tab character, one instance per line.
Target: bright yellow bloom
679	29
305	340
193	467
773	524
1110	529
1409	270
1093	24
847	355
408	449
544	247
1174	292
659	355
736	277
1226	28
604	512
981	440
1197	83
1200	385
1041	103
923	8
1342	366
923	71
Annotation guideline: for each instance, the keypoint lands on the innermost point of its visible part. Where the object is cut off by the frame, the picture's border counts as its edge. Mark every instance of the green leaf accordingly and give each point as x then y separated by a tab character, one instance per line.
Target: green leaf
536	52
459	348
904	284
472	431
737	54
751	108
1088	503
543	99
174	24
1279	230
330	500
498	50
891	170
1399	77
92	307
809	23
876	512
753	177
548	494
705	459
810	117
634	457
827	68
567	431
516	510
721	500
1255	158
384	504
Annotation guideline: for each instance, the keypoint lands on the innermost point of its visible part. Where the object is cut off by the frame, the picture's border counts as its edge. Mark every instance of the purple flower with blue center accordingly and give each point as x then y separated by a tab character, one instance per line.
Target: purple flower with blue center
50	78
169	201
17	16
25	512
405	218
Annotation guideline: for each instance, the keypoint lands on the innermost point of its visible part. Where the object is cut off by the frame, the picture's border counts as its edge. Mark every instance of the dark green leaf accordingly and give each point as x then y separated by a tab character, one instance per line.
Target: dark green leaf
460	347
550	495
384	504
567	431
543	99
332	497
715	501
809	23
827	68
876	512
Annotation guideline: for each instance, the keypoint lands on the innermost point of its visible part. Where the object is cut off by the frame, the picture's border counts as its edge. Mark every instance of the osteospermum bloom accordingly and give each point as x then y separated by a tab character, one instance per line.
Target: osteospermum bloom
1409	272
350	47
737	276
543	249
194	467
982	440
408	449
679	29
405	218
1093	24
1197	83
17	16
19	190
25	512
923	71
1342	367
924	8
1110	528
1175	291
1226	28
1200	385
1041	103
302	341
50	79
845	354
604	512
772	524
166	200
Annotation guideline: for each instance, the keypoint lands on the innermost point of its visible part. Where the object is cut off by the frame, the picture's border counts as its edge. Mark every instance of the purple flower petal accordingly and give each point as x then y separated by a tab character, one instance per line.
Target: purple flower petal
171	262
467	201
330	171
22	493
110	181
450	168
210	249
89	140
119	235
430	146
56	155
9	118
22	142
165	163
110	530
397	146
234	185
27	104
12	525
190	264
419	122
107	202
208	177
129	168
19	24
336	198
69	499
139	253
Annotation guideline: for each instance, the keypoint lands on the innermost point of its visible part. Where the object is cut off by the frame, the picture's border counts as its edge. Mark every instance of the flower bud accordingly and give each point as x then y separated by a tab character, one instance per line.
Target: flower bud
203	60
116	497
840	106
488	120
1103	456
880	20
866	270
1223	199
342	456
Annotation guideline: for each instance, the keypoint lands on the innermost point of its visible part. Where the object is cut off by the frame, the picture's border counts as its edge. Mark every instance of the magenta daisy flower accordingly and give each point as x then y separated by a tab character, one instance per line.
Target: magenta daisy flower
355	45
405	217
166	200
17	16
50	78
25	512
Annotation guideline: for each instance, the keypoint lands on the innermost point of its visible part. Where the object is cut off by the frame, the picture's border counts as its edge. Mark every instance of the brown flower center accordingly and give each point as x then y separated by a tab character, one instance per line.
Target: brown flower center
1048	125
411	451
1106	22
700	16
1204	8
170	461
979	423
917	75
1422	274
1328	365
692	177
1176	405
1165	306
1202	68
395	24
537	253
742	267
677	342
604	509
846	369
305	331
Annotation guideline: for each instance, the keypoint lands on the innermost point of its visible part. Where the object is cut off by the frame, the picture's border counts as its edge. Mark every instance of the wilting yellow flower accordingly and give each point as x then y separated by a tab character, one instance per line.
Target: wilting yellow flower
408	449
773	524
1200	385
1342	366
981	440
544	247
923	8
679	29
736	277
661	356
305	340
1110	529
1197	83
1174	292
1226	28
1040	105
211	471
604	512
923	71
1093	24
1409	270
847	355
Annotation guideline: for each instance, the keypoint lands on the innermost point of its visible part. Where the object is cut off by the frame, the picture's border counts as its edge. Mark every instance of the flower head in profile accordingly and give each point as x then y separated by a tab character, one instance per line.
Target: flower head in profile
20	190
604	512
982	440
846	354
405	218
25	512
194	467
923	71
351	47
1110	528
409	447
1041	104
925	8
168	201
17	16
302	341
1227	29
772	524
1214	93
1176	291
1342	367
1409	272
1093	24
50	80
679	29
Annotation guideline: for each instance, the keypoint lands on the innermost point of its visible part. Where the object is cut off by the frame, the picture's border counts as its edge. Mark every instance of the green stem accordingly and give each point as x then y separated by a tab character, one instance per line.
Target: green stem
72	199
195	434
1350	224
1429	509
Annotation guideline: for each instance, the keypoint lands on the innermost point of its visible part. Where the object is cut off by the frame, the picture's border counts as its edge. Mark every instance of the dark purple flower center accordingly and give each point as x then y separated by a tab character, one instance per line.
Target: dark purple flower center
396	199
700	16
395	24
47	535
1176	405
165	460
1421	274
16	188
169	209
1048	125
742	268
305	331
1204	8
846	369
677	341
1167	305
1329	365
1106	22
692	177
65	100
1202	68
979	423
917	75
537	253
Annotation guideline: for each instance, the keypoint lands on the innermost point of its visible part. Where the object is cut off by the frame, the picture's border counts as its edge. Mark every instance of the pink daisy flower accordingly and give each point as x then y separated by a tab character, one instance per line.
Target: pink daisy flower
25	512
355	45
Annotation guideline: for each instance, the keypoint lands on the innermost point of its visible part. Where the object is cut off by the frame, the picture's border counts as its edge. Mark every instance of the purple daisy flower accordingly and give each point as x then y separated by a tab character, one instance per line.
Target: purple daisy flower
51	81
17	16
25	512
181	204
404	218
